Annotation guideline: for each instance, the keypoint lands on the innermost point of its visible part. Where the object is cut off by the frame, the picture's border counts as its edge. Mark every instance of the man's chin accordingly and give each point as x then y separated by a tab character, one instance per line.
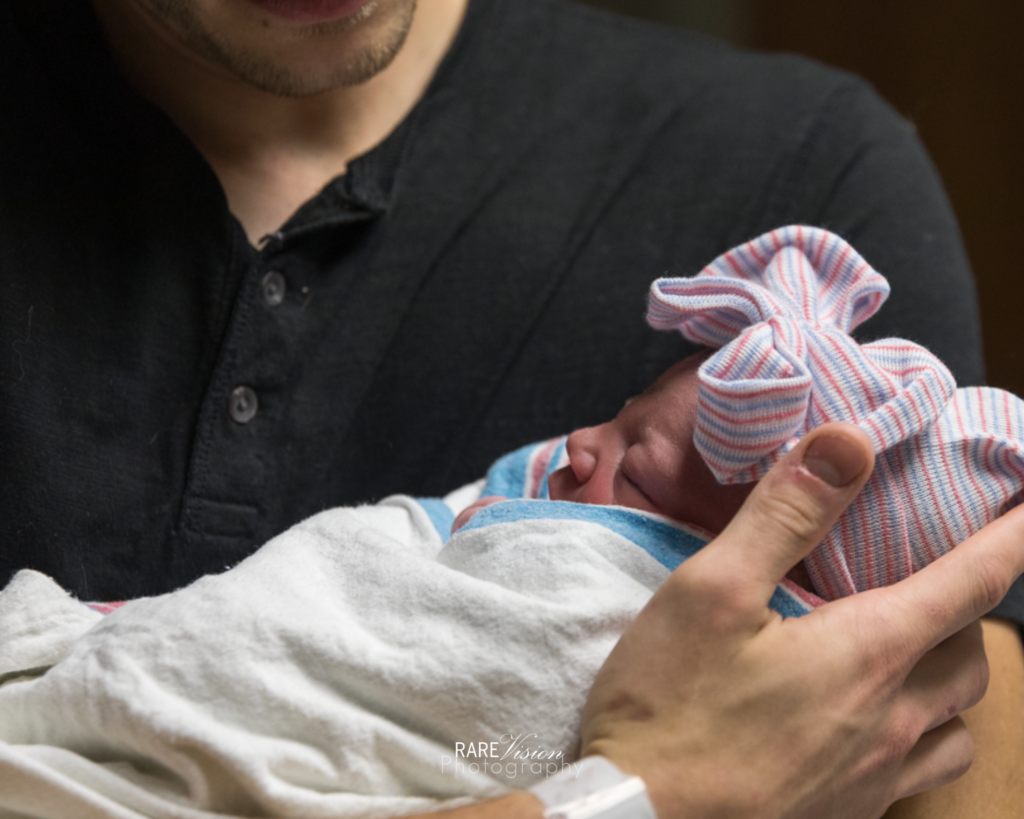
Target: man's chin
292	57
285	79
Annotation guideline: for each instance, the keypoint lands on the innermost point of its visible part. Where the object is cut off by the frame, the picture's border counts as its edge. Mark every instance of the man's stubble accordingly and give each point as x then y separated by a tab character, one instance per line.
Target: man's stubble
275	76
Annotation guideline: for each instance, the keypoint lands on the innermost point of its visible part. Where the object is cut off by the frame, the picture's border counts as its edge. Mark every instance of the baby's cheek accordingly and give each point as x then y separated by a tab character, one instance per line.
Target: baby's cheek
472	509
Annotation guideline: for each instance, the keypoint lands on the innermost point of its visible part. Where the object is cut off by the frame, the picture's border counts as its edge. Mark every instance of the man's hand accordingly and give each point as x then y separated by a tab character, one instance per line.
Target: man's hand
726	709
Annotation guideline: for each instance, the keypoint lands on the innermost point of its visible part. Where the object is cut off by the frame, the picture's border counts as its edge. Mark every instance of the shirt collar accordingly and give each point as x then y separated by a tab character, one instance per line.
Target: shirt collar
366	190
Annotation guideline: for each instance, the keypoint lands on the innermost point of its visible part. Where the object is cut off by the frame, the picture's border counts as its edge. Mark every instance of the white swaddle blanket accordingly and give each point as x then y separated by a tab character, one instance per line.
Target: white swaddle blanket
355	666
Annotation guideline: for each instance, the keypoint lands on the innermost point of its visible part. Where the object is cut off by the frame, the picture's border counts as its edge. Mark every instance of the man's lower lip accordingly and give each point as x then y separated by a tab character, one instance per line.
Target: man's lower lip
311	11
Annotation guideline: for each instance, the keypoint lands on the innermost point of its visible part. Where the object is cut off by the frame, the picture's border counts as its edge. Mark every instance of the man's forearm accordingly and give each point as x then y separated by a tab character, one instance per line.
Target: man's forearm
519	805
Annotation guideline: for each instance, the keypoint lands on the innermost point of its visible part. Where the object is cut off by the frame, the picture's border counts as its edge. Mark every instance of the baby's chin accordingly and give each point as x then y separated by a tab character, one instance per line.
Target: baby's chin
709	504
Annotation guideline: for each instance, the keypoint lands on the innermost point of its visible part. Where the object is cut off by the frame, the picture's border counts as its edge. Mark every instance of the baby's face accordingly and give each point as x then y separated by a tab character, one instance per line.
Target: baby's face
646	458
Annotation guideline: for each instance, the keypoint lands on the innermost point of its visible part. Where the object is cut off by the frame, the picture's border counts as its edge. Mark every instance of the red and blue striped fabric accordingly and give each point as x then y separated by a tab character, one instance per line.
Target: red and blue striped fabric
781	308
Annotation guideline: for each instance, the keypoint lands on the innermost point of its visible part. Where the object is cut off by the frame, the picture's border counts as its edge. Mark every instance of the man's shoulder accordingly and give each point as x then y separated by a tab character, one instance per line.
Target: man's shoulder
589	57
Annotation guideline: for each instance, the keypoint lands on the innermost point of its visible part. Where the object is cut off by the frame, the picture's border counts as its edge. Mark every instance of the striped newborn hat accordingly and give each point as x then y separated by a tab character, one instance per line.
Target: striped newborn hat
781	308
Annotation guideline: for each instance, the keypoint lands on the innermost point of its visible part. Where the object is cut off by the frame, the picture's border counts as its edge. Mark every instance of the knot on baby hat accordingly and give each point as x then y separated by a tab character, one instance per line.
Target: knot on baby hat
781	308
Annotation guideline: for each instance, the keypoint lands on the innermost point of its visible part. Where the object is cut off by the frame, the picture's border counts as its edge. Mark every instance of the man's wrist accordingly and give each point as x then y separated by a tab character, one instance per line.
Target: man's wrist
594	788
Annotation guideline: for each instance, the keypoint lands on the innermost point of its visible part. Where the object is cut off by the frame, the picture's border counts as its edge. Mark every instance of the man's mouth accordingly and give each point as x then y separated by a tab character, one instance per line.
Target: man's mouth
313	11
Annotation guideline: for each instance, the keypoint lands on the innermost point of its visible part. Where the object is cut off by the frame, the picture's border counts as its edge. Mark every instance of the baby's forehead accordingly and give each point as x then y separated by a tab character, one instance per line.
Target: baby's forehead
669	402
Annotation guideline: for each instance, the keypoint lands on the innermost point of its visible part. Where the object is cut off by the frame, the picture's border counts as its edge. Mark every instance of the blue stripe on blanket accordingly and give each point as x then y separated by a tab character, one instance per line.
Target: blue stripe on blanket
509	476
667	543
440	515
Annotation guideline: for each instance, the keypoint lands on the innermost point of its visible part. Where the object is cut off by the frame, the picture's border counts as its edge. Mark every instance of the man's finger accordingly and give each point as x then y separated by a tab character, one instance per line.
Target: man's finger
793	507
939	757
949	679
956	589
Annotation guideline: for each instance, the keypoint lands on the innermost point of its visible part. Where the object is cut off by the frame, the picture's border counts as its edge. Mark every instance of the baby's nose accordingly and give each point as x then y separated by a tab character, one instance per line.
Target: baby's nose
582	451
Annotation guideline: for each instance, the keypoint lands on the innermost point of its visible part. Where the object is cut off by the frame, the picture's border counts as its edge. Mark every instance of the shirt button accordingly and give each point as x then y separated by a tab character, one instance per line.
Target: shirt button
242	405
272	289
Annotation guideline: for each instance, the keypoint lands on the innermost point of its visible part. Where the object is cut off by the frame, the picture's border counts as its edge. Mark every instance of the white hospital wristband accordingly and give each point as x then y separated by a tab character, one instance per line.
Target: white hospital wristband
594	788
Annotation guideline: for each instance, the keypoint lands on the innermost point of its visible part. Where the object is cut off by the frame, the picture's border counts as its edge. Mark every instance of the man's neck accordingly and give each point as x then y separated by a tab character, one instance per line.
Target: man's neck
273	153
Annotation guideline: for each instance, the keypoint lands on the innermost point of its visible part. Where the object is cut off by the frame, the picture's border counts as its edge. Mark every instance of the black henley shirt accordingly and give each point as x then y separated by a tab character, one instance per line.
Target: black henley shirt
171	397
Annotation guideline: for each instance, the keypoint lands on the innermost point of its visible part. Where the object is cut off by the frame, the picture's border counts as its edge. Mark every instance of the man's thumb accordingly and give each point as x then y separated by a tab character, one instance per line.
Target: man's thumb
795	504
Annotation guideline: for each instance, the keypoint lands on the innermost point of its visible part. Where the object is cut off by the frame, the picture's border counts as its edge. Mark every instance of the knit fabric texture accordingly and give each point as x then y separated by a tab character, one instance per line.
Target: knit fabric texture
781	309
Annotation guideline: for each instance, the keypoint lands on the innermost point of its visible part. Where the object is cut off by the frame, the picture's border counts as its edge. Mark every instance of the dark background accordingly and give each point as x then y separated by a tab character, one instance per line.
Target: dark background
956	70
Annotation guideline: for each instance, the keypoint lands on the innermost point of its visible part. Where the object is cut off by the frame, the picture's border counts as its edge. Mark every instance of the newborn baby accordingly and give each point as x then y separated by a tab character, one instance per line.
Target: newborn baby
780	309
363	664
